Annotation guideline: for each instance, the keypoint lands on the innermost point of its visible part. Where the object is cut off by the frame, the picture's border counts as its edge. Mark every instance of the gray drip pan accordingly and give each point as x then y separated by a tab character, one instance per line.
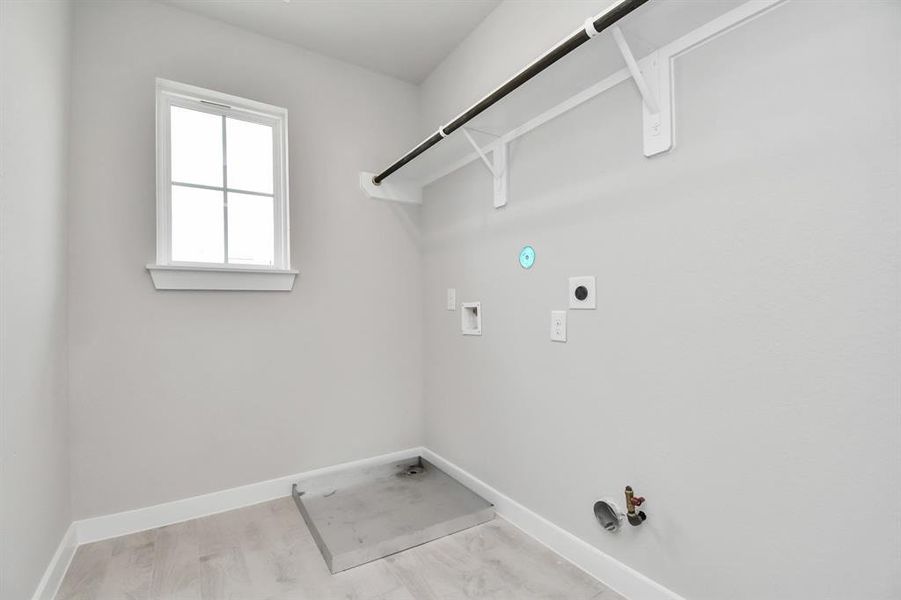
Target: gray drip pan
360	515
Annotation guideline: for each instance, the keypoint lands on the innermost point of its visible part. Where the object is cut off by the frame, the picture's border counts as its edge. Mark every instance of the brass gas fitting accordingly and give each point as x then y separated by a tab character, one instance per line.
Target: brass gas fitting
636	517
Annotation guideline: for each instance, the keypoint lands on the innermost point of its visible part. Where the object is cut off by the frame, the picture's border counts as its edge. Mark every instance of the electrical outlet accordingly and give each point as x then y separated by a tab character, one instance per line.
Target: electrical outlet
558	325
451	299
581	292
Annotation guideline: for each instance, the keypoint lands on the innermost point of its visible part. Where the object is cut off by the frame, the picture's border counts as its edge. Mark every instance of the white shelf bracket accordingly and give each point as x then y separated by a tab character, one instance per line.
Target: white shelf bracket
501	176
653	77
497	166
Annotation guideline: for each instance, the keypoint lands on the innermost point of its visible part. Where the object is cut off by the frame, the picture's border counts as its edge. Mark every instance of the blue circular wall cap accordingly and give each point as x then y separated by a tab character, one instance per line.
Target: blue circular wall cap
527	257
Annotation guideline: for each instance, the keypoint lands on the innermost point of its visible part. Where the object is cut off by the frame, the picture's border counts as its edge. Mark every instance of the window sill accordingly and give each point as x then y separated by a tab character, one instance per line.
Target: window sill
171	277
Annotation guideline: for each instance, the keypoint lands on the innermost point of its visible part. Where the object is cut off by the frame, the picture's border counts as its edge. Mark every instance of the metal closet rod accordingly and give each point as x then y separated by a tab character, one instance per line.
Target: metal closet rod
592	28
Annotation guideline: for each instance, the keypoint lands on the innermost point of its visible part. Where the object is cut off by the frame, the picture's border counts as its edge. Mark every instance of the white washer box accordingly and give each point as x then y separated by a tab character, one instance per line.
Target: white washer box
471	318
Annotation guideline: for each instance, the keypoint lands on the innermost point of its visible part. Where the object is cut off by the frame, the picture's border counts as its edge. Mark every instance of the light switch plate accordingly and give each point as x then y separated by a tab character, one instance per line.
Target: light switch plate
582	293
451	299
558	325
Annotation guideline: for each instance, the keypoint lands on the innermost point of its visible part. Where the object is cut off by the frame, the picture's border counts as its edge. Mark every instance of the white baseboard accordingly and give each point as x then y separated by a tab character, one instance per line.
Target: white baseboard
59	564
622	579
612	573
141	519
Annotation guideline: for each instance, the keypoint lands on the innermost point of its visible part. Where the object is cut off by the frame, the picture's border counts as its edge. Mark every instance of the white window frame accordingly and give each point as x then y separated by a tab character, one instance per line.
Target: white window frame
169	274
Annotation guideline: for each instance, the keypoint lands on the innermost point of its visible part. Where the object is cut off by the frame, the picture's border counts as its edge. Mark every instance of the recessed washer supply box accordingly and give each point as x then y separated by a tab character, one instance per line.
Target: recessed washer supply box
471	318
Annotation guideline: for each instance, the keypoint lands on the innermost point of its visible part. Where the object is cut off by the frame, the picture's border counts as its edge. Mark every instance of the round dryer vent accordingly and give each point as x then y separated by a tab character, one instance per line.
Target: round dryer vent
608	514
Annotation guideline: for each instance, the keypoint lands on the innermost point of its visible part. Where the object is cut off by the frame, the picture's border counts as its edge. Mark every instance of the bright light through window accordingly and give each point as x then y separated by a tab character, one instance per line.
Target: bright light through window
196	147
197	225
244	221
249	156
249	229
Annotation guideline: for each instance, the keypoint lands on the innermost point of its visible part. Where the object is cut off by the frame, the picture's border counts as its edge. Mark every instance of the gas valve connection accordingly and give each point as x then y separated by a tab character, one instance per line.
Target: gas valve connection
636	517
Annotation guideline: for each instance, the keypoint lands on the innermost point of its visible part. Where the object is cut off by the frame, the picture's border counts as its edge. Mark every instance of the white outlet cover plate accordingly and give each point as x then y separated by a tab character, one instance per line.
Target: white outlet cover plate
558	325
590	301
451	299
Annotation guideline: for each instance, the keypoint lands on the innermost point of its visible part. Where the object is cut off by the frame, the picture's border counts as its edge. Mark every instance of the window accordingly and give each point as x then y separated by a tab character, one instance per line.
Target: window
222	191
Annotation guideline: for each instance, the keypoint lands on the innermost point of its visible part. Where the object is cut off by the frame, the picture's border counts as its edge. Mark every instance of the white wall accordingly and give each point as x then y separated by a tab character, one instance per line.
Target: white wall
175	394
34	471
741	370
528	28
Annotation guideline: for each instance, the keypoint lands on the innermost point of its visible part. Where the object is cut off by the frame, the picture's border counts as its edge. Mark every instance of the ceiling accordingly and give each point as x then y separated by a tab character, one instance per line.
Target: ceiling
403	38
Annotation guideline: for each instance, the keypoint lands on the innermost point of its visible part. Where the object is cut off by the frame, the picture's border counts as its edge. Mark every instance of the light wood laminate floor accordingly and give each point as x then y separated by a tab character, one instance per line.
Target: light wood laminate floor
266	552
